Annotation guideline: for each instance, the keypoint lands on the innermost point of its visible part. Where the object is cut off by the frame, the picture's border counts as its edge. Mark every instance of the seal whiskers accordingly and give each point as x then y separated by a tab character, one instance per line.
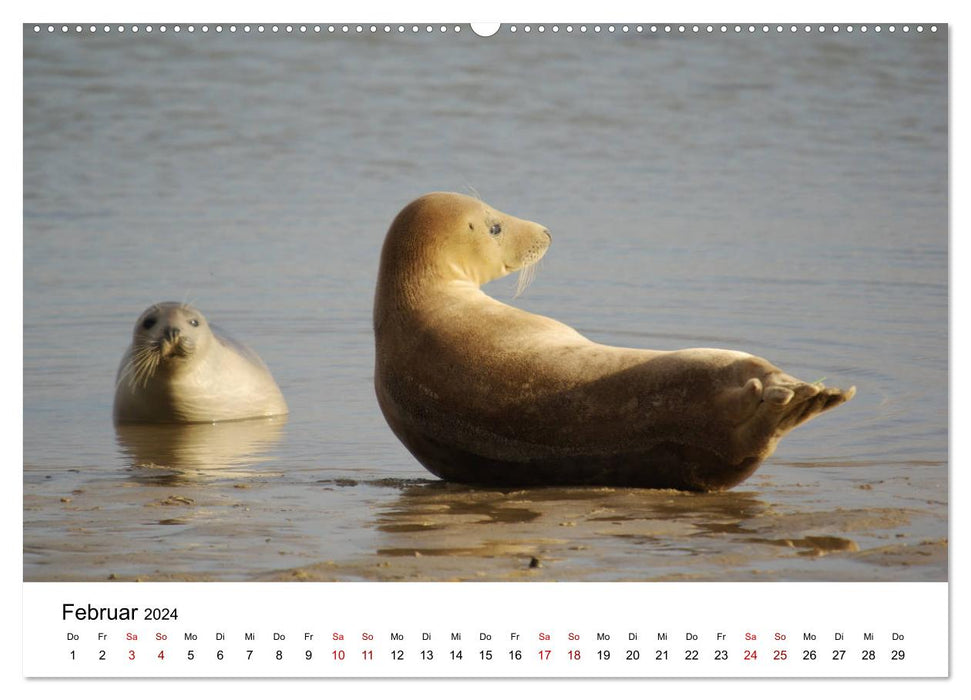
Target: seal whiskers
145	360
526	276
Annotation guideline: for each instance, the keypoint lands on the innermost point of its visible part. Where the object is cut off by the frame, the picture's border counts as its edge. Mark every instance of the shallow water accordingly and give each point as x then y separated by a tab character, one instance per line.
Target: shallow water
783	195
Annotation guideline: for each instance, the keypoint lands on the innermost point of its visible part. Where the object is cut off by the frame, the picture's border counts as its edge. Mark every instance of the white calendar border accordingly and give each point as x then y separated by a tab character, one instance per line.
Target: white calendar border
506	10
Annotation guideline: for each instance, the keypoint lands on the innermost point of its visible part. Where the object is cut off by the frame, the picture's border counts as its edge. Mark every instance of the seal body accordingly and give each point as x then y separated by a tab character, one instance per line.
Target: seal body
179	369
482	392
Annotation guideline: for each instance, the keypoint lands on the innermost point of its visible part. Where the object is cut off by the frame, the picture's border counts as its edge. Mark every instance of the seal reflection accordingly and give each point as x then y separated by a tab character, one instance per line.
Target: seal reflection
198	451
514	532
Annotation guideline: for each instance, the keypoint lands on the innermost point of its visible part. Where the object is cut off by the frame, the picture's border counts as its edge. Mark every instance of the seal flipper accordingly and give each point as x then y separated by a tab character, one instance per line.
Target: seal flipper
743	402
824	399
788	402
778	395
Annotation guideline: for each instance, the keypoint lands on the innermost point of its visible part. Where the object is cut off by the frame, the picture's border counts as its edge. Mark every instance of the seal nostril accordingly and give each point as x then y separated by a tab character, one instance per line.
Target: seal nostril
171	333
548	234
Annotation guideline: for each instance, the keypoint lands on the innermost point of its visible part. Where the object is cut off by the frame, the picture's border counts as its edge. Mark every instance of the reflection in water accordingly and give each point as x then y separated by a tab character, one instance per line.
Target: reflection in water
458	504
532	526
434	530
199	450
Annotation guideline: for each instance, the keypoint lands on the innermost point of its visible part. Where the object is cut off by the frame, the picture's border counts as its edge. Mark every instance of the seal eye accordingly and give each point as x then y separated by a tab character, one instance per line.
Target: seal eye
495	229
193	322
148	322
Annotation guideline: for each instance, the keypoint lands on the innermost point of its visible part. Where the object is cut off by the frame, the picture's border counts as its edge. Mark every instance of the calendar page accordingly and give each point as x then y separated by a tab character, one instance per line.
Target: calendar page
517	350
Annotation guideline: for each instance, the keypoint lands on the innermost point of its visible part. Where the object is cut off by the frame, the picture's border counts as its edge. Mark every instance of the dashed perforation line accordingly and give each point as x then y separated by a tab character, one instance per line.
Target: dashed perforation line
367	29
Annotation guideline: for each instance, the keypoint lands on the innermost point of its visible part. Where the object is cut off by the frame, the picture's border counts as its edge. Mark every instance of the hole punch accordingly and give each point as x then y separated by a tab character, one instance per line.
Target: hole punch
485	29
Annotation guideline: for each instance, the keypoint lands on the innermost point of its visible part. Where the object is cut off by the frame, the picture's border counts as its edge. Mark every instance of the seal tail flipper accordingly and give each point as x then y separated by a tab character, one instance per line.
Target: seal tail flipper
788	402
807	402
812	405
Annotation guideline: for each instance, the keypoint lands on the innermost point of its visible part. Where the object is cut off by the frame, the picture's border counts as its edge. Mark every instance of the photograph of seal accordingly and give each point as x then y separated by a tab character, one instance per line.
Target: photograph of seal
179	369
482	392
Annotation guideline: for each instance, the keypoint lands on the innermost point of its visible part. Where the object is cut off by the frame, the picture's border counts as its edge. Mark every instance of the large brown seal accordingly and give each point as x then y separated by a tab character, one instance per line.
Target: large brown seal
179	369
482	392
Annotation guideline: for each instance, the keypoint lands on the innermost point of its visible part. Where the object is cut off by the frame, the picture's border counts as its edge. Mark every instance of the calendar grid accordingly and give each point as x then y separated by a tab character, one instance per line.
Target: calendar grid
483	629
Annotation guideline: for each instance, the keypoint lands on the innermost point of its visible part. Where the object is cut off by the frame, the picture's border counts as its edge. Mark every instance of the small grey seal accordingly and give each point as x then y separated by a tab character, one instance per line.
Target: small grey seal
179	369
482	392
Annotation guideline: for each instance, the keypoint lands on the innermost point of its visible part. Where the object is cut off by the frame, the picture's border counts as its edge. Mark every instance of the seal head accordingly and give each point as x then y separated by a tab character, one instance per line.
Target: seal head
179	369
445	238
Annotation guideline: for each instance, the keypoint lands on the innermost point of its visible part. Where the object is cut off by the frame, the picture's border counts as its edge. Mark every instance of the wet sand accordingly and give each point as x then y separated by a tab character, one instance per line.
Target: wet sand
180	526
